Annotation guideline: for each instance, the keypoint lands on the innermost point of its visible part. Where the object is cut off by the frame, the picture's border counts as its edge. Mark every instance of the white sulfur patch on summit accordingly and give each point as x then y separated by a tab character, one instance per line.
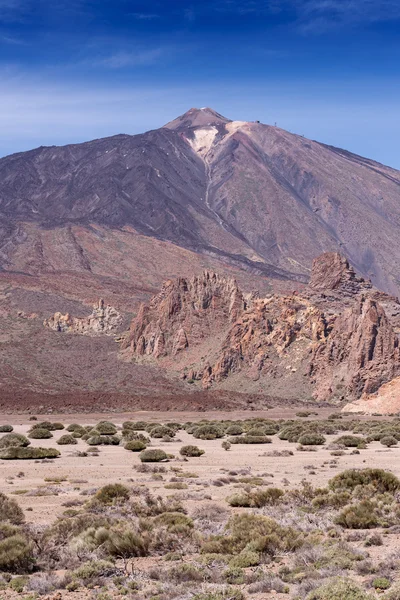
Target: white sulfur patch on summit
203	139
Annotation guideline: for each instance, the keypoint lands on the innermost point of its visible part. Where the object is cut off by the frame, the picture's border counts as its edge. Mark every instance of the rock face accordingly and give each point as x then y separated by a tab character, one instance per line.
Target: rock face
184	312
336	337
332	271
104	319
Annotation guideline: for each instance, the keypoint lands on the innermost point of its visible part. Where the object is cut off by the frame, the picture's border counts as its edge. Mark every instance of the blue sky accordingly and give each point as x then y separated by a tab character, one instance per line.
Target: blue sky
73	70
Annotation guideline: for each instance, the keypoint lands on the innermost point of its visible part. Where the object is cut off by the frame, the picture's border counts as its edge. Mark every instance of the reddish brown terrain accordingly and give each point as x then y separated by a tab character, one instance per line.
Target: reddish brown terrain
231	215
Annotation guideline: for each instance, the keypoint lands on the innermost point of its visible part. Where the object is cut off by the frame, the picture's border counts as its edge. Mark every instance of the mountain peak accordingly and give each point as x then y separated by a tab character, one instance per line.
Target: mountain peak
197	117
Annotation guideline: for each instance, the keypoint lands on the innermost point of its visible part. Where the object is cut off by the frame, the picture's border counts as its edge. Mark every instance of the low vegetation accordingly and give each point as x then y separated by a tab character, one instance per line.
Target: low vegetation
177	525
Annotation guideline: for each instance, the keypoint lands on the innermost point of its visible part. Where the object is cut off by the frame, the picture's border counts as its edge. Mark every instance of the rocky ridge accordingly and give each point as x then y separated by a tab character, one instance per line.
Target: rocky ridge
338	339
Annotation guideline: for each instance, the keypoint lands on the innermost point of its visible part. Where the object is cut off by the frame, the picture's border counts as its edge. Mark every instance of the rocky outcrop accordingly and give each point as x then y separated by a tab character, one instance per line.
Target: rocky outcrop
332	271
104	319
185	312
336	335
359	355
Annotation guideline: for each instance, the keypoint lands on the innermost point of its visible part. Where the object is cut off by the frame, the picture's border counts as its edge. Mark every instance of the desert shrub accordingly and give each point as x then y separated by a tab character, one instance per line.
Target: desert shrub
153	455
254	533
381	480
6	428
388	441
234	430
123	542
337	500
256	431
208	432
191	451
245	559
106	428
40	434
10	510
176	485
227	593
311	439
18	453
13	439
16	552
240	500
76	427
381	583
135	445
266	497
93	570
112	492
234	575
47	425
66	440
135	425
174	521
250	439
103	440
161	431
351	441
358	516
339	589
292	432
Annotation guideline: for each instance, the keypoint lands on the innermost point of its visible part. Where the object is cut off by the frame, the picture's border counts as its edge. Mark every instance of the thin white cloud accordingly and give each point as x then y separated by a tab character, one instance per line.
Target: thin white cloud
145	16
126	58
309	14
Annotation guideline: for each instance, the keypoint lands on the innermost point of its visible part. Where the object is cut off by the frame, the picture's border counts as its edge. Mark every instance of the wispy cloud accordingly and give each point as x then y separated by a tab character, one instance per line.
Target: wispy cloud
318	14
141	16
127	58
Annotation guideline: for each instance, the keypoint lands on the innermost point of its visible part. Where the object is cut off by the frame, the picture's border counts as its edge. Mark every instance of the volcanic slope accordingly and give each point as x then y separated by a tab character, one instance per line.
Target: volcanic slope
237	194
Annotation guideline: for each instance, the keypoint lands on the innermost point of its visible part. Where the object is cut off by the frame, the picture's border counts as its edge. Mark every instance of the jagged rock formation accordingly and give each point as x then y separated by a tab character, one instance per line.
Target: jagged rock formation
104	319
341	349
185	308
332	271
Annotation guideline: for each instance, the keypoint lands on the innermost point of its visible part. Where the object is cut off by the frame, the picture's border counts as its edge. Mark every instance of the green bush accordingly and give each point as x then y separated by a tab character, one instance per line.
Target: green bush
381	583
339	589
16	552
254	533
234	430
112	492
75	428
153	455
381	480
40	434
18	453
351	441
135	445
66	439
268	497
312	439
388	441
256	432
161	431
208	432
48	425
245	559
103	440
93	570
250	439
106	428
358	516
13	439
6	428
191	451
10	510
